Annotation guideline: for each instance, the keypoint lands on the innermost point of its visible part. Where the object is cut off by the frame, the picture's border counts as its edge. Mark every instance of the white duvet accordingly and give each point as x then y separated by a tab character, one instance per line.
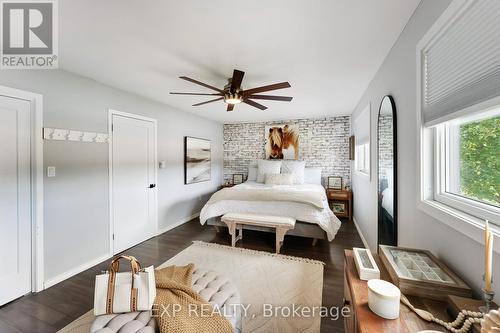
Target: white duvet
303	212
387	201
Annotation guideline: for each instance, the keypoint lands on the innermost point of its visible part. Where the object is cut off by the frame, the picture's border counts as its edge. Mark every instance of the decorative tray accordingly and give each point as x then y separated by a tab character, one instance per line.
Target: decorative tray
420	273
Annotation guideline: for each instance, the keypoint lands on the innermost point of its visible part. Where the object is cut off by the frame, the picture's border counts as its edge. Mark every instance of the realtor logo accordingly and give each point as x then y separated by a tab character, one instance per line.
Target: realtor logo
29	34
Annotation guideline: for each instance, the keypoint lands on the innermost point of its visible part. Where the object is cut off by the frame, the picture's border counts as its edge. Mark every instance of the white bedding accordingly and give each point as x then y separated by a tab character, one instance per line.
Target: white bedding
387	200
300	211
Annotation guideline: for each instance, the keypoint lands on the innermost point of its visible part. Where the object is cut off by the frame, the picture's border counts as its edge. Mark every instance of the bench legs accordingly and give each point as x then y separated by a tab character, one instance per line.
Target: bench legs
280	236
236	232
233	226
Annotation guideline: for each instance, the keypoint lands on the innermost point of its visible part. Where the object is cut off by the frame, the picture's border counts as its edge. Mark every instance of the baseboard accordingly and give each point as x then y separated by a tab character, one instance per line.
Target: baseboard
365	243
176	224
66	275
72	272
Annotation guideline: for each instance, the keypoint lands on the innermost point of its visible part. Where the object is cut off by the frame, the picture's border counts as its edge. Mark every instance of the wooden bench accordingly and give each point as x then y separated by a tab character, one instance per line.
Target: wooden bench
235	222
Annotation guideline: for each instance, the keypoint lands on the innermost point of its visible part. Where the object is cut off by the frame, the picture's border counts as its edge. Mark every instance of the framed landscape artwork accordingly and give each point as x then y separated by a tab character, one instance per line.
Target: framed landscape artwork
335	183
197	163
338	207
237	179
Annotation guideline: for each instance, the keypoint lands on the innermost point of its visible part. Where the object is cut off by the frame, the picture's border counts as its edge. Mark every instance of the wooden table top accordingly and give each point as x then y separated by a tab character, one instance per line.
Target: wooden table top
408	321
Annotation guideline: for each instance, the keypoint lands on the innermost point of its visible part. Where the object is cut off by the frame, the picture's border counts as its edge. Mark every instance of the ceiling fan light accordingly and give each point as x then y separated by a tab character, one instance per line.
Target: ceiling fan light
233	99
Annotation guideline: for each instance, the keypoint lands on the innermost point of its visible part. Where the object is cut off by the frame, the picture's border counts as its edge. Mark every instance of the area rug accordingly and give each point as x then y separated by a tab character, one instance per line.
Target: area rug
271	285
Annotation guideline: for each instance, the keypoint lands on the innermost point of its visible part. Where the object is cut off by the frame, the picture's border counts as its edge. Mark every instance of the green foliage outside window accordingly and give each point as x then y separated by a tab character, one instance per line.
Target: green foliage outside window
480	160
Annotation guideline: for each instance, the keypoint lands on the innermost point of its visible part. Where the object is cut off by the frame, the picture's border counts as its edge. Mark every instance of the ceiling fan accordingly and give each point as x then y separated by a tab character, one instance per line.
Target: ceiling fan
232	93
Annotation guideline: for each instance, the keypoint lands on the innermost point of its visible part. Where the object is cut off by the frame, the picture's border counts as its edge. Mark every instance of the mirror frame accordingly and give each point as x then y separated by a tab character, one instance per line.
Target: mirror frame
395	169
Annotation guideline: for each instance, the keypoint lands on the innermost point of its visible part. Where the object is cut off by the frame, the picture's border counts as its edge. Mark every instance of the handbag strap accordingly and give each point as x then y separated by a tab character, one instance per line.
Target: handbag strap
113	270
134	264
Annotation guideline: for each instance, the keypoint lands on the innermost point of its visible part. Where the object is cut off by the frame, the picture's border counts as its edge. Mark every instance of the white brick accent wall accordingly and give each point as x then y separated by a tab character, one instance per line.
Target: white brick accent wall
323	142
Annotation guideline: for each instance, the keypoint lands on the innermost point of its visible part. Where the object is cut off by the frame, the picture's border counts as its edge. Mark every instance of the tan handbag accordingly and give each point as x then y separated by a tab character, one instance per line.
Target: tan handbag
124	292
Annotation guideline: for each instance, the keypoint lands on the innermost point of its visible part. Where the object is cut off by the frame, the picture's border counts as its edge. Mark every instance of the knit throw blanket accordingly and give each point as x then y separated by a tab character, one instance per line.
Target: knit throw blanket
179	309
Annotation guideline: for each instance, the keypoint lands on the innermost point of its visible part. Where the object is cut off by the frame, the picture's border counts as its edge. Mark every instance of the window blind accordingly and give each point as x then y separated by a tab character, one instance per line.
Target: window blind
362	126
461	62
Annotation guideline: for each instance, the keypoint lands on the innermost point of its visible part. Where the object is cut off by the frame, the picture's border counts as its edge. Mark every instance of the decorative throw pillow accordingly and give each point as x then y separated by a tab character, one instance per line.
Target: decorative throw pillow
265	167
296	168
279	179
252	173
312	175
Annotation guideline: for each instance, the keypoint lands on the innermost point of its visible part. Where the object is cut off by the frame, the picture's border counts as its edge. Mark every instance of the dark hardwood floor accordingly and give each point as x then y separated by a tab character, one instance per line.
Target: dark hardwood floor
54	308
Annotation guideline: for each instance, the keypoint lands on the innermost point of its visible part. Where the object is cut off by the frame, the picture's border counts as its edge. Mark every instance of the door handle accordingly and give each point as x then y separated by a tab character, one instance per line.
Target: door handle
152	185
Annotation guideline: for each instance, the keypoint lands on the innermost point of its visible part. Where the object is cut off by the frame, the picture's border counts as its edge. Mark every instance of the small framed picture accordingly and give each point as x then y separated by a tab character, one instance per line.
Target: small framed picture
237	179
335	183
338	207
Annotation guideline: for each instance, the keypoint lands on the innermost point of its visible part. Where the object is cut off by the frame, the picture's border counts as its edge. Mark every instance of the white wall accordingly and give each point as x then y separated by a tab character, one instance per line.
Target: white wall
76	200
397	77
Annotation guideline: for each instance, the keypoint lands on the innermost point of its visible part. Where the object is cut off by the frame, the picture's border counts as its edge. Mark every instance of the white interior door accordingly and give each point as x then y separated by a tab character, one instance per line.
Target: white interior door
15	199
133	181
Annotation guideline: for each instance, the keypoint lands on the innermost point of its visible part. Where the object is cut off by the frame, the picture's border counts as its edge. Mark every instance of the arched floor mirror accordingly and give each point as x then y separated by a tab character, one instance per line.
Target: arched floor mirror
387	173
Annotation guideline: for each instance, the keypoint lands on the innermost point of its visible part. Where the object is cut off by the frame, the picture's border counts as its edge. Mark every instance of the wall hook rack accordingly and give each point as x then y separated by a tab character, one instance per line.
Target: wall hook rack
58	134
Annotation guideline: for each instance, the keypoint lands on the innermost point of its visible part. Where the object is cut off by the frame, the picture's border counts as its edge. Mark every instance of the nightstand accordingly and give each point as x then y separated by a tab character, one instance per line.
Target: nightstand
338	199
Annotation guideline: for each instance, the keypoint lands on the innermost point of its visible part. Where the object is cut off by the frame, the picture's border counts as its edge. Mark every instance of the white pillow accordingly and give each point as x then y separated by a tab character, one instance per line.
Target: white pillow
279	179
296	168
252	173
312	176
389	174
265	167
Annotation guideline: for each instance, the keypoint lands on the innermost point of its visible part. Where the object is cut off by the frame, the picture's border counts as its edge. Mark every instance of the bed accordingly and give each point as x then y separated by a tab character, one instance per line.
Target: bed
387	201
307	203
386	209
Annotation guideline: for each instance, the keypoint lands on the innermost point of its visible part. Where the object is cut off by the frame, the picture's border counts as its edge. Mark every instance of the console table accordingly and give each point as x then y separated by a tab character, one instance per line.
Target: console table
362	320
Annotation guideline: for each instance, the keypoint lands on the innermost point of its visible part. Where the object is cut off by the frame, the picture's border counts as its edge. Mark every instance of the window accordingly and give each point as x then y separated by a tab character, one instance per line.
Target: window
458	110
473	169
362	158
467	166
361	126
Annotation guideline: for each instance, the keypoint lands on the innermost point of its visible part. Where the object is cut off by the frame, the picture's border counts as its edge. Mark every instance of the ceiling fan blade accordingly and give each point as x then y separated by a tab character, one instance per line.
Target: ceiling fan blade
201	84
270	87
213	100
194	94
271	98
236	80
230	107
255	104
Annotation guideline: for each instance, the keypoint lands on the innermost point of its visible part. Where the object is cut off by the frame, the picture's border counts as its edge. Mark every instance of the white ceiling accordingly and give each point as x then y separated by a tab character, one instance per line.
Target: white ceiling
328	50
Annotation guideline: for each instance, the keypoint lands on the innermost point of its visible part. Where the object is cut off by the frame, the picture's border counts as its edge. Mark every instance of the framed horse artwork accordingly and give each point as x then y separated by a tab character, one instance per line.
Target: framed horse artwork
282	142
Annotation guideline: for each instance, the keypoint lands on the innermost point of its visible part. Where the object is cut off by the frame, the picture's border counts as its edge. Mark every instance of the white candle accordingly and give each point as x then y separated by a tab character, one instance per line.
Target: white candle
383	298
488	256
486	232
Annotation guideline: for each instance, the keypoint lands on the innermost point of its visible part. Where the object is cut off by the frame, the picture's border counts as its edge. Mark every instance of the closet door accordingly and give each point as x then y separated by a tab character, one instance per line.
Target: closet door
15	199
133	181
